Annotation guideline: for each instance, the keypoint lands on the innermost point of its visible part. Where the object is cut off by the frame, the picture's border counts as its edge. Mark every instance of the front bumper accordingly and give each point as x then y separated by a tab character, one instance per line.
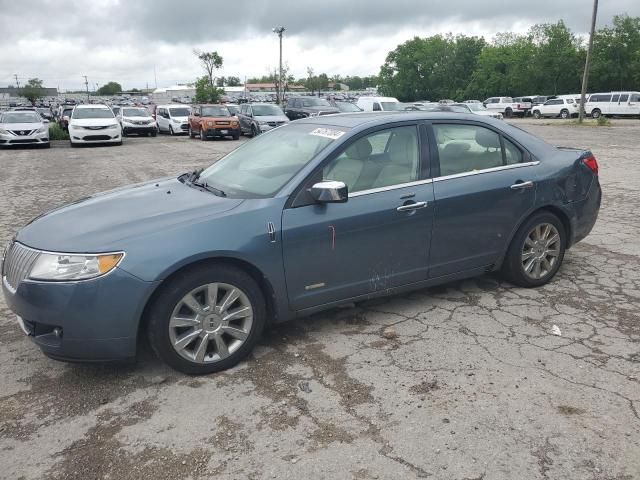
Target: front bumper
106	135
90	320
222	131
35	139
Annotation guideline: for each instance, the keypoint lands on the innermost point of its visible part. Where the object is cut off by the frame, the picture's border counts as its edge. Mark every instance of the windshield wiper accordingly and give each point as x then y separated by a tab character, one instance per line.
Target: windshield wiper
209	188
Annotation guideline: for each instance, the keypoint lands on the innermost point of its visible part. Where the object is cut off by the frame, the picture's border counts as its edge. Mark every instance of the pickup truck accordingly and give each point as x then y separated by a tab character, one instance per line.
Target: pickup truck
303	107
505	105
213	121
256	118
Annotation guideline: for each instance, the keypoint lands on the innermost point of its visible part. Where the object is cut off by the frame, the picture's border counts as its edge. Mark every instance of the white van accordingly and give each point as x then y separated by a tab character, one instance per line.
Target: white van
613	103
379	104
173	118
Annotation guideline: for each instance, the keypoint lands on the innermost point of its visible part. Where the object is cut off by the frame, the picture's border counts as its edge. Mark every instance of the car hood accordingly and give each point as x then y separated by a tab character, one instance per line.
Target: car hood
272	118
20	126
103	222
323	109
180	119
92	122
137	119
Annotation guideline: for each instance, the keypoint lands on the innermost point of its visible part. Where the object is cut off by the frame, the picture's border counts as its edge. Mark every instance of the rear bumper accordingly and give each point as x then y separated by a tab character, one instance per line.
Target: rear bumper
93	320
585	213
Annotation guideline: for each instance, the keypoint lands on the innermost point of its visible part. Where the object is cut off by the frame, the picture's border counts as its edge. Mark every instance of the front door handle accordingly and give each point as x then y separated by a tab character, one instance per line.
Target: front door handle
412	206
522	185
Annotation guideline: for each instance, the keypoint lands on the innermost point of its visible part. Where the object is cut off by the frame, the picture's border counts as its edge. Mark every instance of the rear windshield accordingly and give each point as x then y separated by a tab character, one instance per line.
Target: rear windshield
392	106
266	110
92	113
315	102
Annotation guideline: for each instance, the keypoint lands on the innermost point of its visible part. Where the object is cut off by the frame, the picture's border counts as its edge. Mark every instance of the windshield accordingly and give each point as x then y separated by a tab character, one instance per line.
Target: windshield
92	113
392	106
67	112
179	112
460	107
347	107
215	112
266	110
262	166
20	117
233	109
315	102
476	107
135	112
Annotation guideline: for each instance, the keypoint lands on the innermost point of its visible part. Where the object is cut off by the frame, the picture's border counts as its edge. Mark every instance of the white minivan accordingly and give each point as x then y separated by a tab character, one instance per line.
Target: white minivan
379	104
173	118
613	103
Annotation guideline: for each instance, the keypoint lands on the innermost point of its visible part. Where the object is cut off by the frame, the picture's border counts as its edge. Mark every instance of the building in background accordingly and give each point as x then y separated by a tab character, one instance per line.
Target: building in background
176	93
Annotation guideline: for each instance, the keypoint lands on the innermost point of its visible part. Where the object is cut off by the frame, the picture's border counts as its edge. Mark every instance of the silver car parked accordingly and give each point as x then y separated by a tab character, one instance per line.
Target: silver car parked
23	128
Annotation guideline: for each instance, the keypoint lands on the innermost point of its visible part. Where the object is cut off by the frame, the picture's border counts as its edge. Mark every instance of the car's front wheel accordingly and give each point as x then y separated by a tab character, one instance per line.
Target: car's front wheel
206	319
565	114
536	252
595	113
536	114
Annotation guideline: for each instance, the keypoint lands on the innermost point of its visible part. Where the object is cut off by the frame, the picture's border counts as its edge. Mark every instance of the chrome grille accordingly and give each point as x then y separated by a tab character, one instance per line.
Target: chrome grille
17	263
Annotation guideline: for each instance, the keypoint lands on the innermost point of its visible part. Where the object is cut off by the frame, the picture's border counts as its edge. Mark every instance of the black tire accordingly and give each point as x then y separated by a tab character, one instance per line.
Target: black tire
191	134
203	135
73	145
236	136
46	145
254	131
171	132
124	134
508	113
153	133
596	113
564	113
536	114
171	294
118	144
513	268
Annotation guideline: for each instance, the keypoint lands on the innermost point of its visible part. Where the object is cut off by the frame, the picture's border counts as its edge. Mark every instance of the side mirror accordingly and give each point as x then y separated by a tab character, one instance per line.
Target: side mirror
329	192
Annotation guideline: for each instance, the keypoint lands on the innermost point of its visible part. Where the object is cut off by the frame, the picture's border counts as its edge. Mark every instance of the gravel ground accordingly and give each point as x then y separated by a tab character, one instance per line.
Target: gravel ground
466	382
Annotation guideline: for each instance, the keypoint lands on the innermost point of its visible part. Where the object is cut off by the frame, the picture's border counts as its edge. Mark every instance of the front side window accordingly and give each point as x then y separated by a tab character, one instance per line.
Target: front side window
381	159
615	98
466	148
635	97
261	167
624	97
376	107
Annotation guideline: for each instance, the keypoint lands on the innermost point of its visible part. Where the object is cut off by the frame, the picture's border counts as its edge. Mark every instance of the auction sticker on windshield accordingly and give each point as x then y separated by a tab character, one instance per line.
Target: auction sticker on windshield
327	133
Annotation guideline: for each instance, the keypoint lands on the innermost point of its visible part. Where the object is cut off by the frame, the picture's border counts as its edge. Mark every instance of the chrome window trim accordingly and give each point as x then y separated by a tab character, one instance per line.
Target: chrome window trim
486	170
390	187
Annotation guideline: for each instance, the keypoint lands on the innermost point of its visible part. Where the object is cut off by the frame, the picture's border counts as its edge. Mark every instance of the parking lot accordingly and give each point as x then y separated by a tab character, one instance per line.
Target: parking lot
469	383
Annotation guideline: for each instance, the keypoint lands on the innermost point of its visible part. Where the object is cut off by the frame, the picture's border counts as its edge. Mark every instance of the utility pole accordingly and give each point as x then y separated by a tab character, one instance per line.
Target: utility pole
86	84
17	81
585	75
279	31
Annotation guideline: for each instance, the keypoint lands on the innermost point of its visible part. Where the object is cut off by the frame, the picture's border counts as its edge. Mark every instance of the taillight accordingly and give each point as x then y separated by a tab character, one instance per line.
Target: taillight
592	163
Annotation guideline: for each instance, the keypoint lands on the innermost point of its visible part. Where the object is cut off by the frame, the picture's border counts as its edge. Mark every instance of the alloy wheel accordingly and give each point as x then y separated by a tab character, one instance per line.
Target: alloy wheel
210	323
541	250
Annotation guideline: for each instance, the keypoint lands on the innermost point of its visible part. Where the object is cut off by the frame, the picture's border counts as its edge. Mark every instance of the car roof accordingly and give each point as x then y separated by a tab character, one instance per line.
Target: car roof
92	105
372	119
261	103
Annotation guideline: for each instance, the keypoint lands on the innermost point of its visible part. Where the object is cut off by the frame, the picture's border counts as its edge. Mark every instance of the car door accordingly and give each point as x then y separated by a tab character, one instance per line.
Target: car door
633	107
623	107
484	185
162	121
379	238
242	118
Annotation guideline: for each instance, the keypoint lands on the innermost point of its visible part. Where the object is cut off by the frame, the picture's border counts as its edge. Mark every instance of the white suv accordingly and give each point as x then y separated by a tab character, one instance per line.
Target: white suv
173	119
94	124
505	105
613	103
565	107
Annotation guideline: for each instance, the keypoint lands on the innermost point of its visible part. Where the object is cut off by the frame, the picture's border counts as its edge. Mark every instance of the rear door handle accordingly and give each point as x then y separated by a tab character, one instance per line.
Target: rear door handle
412	206
522	185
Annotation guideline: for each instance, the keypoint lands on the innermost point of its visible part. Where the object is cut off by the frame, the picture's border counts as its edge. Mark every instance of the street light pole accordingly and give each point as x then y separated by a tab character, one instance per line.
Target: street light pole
279	31
585	75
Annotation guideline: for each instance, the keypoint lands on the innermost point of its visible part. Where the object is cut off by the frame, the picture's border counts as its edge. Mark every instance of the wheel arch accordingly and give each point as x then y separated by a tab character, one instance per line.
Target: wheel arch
553	209
254	272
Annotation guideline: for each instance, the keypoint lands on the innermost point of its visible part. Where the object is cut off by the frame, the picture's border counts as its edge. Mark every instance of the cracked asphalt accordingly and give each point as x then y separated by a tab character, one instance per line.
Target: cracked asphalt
468	384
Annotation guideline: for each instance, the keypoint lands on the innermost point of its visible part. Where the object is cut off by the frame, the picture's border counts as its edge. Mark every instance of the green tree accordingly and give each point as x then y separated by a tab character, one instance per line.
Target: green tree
211	62
615	64
111	88
33	90
233	81
205	92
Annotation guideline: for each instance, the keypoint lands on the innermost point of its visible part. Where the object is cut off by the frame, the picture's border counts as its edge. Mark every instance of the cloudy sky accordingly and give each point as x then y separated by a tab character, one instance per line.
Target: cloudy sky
125	40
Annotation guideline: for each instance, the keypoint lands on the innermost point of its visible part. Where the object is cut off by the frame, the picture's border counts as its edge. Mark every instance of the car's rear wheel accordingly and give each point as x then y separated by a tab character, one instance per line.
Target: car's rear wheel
595	113
536	114
153	133
536	252
565	114
191	134
508	113
254	131
171	132
203	135
206	319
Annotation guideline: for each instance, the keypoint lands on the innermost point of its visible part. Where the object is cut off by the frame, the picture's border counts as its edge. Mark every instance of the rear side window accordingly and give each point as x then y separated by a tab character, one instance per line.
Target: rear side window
615	98
600	98
624	97
466	148
376	107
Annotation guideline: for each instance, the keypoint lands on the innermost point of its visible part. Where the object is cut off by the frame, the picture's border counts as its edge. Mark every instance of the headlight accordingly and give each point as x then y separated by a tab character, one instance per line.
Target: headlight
113	126
210	124
72	266
43	129
263	123
176	121
3	132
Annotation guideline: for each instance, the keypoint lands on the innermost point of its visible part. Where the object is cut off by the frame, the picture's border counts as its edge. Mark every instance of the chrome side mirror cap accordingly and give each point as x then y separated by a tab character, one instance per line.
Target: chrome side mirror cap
329	192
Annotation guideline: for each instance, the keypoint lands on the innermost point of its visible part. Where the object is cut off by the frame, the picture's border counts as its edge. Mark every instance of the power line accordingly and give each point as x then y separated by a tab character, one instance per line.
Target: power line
17	82
86	83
